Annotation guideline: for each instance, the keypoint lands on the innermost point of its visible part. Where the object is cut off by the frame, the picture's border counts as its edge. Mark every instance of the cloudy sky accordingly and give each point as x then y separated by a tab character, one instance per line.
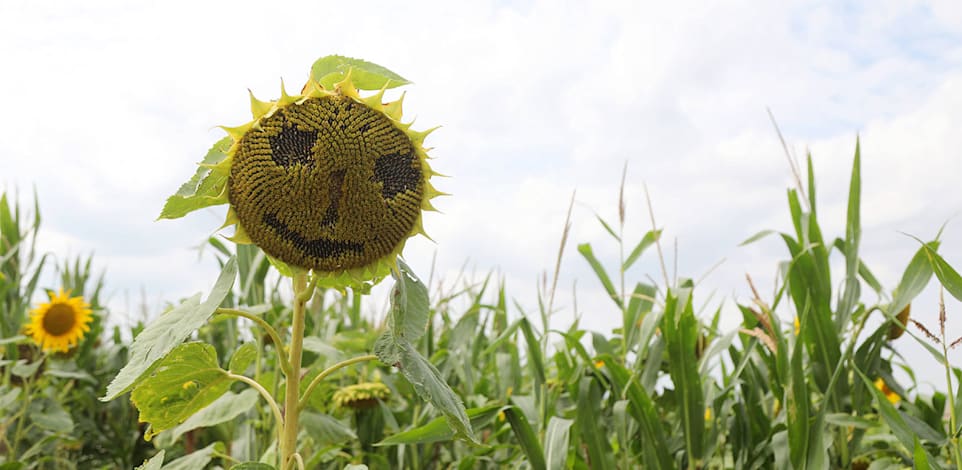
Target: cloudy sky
108	105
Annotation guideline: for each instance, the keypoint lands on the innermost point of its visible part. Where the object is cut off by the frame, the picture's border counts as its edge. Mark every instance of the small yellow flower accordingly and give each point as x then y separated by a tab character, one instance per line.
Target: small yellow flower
599	364
707	414
892	397
501	416
362	395
61	323
798	326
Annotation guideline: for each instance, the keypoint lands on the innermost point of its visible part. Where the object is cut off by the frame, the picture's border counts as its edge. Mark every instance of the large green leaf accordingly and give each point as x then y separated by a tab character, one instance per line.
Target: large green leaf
366	76
426	379
406	322
168	331
206	188
947	275
438	429
224	409
184	382
408	318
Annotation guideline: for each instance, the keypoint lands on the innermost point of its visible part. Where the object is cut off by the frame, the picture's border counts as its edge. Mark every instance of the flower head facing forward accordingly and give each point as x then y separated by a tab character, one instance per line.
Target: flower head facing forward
325	180
327	183
61	323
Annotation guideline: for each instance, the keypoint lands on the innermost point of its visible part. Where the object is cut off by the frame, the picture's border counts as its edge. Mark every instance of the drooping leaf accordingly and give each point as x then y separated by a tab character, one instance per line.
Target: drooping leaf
588	254
184	382
409	305
168	331
406	323
365	75
649	239
947	275
438	429
426	379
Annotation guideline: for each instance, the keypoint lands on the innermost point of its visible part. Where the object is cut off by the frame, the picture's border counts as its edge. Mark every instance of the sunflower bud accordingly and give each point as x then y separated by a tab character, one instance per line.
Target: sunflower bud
896	329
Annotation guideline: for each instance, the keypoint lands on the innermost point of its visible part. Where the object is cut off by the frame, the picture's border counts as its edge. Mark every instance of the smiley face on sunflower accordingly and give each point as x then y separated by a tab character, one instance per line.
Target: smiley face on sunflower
325	180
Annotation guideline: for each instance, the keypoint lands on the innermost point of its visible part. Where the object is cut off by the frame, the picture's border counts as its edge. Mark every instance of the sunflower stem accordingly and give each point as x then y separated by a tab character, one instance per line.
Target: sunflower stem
330	370
278	345
264	393
291	397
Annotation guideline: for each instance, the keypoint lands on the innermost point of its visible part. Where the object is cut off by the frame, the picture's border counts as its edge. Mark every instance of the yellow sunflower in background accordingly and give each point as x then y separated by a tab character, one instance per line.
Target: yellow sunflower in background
325	180
890	394
61	323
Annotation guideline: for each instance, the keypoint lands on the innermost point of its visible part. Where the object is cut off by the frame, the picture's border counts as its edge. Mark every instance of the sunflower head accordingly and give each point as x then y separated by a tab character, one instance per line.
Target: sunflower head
61	323
361	396
325	180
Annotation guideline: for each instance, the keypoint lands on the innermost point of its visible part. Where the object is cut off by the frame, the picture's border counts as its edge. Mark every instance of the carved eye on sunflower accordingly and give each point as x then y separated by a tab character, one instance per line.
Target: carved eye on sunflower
325	180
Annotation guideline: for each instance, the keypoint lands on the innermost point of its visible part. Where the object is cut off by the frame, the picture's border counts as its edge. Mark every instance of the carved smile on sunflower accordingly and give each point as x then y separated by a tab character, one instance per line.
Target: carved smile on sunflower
325	180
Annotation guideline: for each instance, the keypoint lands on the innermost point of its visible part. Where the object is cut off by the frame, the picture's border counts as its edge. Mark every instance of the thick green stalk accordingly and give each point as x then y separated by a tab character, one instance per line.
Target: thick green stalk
291	396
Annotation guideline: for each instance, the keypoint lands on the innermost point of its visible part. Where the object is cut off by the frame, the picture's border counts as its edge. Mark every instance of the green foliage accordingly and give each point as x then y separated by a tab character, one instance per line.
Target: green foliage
406	323
478	382
184	382
168	331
